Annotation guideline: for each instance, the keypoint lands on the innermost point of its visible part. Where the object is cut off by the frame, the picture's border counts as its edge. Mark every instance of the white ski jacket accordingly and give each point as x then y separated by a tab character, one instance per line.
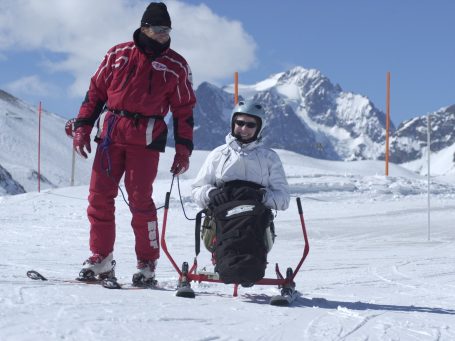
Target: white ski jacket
250	162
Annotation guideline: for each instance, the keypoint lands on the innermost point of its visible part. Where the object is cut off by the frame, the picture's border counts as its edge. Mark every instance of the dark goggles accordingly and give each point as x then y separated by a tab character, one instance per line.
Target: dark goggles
250	125
158	29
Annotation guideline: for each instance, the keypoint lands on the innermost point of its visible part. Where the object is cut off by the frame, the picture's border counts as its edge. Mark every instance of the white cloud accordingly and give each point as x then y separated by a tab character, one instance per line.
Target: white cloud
31	85
83	30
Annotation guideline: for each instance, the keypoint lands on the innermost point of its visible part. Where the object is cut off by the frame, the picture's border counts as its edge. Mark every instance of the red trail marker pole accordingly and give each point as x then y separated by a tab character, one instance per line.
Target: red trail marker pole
39	147
387	125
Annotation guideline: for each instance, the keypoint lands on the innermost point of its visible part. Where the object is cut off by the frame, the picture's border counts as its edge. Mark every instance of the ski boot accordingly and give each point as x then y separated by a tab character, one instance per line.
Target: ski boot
97	268
145	277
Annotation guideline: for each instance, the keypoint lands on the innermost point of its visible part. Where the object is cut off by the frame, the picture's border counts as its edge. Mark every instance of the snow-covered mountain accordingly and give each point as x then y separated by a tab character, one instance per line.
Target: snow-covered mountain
311	116
19	149
7	184
409	144
211	116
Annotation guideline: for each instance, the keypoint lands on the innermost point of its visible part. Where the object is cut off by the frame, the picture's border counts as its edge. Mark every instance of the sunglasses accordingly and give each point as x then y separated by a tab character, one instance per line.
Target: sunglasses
158	29
250	125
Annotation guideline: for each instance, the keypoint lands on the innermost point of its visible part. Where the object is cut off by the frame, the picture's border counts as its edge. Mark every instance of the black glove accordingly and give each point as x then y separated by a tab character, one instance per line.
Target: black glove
218	196
247	193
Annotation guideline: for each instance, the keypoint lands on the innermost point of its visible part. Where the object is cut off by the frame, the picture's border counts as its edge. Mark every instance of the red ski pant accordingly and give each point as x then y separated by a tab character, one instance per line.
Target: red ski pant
139	165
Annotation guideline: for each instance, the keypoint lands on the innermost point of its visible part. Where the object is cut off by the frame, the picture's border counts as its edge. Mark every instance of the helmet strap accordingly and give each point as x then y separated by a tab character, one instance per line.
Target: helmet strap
239	138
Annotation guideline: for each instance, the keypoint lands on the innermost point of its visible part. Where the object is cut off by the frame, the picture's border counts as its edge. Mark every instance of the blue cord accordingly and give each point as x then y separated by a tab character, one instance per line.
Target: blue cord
106	142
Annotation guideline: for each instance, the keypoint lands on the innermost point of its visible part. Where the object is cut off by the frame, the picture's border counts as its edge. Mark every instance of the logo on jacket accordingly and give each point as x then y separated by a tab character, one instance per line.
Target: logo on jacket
158	66
239	209
121	62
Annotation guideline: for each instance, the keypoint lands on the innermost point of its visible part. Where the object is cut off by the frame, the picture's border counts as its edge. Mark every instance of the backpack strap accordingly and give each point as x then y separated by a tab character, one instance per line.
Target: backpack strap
242	183
198	231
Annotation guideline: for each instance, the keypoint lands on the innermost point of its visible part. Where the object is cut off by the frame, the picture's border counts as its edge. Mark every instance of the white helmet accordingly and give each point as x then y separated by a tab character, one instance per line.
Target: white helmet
248	107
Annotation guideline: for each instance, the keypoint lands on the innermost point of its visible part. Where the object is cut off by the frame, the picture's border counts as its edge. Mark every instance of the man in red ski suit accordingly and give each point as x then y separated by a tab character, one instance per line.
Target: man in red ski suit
135	86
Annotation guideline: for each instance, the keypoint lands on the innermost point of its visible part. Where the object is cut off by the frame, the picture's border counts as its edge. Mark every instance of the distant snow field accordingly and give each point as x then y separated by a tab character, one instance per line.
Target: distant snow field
375	271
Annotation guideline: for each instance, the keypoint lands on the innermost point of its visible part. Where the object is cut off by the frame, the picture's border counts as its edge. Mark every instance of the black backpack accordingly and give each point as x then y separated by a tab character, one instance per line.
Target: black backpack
240	248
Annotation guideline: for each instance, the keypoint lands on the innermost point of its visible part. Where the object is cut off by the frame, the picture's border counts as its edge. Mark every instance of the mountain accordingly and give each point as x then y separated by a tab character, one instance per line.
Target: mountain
409	144
8	185
410	140
306	113
210	129
19	149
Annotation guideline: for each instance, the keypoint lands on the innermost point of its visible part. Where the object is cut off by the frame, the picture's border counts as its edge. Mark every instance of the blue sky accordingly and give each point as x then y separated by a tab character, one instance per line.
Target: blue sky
50	48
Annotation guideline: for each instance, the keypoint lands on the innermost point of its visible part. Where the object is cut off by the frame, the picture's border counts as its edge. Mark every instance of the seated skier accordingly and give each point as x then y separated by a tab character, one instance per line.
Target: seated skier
240	182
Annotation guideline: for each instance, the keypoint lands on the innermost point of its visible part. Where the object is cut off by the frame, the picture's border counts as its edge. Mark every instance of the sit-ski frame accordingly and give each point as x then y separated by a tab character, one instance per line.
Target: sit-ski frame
186	276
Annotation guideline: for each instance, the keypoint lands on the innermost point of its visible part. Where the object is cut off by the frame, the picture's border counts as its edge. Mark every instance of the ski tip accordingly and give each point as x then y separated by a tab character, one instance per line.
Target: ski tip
35	275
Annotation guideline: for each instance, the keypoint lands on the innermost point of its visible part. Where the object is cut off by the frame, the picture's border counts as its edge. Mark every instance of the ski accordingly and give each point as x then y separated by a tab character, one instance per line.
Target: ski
108	283
287	296
35	275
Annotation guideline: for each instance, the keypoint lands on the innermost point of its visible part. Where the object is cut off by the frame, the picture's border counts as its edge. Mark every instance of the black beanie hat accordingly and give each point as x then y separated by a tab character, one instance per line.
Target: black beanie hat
156	14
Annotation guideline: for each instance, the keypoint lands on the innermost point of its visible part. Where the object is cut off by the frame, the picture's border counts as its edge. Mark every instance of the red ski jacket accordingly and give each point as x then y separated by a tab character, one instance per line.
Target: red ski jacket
129	80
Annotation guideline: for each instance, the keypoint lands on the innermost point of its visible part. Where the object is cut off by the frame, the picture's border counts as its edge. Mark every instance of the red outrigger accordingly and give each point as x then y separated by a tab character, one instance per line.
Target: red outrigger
188	275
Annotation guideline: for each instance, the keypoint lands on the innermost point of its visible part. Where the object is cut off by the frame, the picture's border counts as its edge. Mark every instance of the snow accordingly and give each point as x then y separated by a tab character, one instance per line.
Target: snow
290	91
351	106
372	273
248	91
441	163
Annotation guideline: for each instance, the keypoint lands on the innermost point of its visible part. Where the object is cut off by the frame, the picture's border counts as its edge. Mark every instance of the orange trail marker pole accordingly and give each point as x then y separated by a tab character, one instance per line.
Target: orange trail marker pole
236	87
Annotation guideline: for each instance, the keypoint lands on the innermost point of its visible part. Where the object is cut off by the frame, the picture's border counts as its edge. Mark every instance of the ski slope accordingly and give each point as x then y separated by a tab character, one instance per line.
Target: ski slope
372	273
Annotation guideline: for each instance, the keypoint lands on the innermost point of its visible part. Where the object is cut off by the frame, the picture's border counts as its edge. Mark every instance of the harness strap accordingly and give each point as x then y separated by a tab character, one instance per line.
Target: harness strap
136	116
133	115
